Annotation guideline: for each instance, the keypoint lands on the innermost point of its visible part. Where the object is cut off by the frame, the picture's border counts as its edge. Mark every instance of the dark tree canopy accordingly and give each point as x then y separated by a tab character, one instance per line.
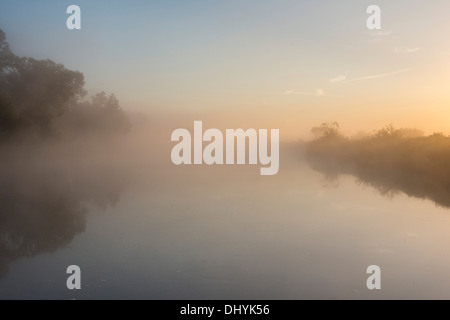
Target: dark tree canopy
101	115
34	94
5	53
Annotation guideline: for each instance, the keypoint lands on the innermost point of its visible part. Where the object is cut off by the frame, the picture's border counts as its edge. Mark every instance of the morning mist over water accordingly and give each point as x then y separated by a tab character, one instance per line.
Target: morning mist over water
145	228
121	151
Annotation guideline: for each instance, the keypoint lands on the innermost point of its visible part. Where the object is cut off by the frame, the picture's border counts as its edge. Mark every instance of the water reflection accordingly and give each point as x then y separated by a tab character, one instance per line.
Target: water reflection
44	198
389	181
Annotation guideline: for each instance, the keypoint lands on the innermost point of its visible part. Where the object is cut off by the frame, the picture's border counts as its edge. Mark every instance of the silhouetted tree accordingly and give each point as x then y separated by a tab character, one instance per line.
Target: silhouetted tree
326	130
391	160
100	116
36	93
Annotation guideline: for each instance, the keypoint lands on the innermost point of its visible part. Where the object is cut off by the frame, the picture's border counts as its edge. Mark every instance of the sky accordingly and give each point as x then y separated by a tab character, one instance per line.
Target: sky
287	64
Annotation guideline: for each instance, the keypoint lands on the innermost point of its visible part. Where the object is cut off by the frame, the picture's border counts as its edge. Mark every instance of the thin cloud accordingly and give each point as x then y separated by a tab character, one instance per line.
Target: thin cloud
339	78
375	40
406	50
412	50
290	92
378	36
377	76
318	92
380	33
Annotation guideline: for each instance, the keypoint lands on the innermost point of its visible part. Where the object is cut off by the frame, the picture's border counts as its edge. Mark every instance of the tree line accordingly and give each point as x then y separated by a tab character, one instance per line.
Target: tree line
390	160
41	99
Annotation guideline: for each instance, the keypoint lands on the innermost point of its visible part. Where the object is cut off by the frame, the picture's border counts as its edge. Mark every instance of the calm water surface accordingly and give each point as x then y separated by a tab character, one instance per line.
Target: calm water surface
227	233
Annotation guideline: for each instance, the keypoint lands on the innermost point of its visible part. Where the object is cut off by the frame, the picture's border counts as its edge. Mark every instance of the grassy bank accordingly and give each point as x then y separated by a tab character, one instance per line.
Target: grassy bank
390	160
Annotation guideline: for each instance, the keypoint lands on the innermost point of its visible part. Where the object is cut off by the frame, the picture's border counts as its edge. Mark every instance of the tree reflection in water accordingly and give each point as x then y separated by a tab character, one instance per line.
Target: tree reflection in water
44	198
391	161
